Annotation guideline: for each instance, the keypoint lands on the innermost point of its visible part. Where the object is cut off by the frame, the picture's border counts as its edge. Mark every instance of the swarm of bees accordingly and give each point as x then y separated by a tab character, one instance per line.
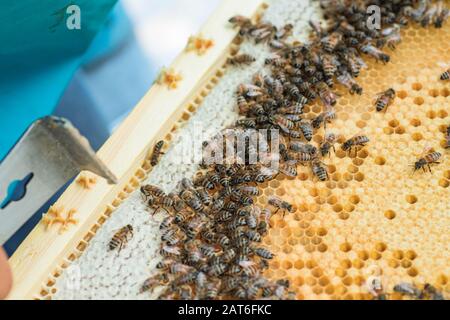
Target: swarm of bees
211	234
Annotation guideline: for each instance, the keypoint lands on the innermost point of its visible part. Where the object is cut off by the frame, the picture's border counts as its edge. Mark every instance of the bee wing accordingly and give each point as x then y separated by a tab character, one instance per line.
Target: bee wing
443	64
116	230
426	149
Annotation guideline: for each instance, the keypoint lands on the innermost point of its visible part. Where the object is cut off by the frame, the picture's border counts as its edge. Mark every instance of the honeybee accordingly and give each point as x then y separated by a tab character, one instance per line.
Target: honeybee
324	117
445	75
432	292
210	251
253	235
165	202
150	190
211	180
252	222
242	103
441	15
429	15
277	44
222	240
217	269
212	289
244	24
262	32
354	142
408	289
327	144
318	170
159	279
185	292
204	196
192	200
326	95
306	129
182	216
280	204
347	80
375	287
263	253
330	42
426	160
156	153
355	64
375	53
172	236
250	90
240	21
391	37
170	251
289	168
241	59
166	222
285	32
329	65
302	147
121	237
276	61
384	99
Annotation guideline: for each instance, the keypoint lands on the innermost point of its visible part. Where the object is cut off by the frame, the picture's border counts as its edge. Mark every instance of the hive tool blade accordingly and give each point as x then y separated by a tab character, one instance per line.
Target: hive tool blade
47	156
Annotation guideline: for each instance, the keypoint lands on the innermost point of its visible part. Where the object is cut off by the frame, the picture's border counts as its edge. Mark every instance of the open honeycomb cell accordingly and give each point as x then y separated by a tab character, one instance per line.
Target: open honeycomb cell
373	217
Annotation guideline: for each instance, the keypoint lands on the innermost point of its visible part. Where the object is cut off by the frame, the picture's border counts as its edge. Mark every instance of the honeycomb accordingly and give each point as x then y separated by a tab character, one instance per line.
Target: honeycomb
373	217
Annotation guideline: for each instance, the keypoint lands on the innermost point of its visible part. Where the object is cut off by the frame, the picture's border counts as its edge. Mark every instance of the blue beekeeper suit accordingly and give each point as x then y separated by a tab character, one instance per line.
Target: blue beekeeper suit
39	56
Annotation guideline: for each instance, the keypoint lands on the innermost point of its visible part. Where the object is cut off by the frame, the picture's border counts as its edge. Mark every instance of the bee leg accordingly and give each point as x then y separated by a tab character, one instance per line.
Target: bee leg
429	168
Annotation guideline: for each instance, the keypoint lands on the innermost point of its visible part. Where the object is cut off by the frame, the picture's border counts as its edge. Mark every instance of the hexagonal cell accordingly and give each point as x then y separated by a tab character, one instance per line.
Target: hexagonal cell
418	101
416	86
390	214
417	136
411	199
345	247
402	94
433	93
444	183
379	160
412	272
398	254
400	130
415	122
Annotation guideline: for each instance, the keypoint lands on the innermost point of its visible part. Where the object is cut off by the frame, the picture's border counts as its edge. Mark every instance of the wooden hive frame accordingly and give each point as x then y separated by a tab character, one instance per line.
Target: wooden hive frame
330	214
45	253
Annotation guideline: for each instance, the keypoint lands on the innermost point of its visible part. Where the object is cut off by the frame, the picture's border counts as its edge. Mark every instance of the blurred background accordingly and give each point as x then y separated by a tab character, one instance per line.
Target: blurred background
93	76
151	34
